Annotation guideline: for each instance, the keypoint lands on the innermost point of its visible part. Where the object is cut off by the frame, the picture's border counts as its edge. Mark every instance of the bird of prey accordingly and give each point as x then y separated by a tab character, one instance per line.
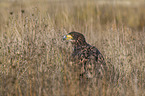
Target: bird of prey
89	59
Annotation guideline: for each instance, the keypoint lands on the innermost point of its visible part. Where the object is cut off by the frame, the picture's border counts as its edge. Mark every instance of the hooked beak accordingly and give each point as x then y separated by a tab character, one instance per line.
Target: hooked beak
67	37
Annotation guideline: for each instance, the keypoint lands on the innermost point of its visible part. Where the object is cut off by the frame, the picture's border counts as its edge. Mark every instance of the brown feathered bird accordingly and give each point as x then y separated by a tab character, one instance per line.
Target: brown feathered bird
89	59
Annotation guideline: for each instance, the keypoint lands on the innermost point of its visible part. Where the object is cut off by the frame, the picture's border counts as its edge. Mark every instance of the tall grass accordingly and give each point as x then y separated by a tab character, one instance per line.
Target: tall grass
35	61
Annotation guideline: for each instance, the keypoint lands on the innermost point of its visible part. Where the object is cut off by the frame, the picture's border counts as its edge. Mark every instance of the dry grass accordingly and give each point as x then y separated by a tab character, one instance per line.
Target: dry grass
34	60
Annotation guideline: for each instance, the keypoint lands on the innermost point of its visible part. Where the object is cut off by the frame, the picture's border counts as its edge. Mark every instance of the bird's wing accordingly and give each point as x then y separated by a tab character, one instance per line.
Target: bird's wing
95	64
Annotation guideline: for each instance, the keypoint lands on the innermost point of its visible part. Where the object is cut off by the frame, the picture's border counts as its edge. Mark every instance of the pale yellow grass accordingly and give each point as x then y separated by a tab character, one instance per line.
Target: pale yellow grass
35	61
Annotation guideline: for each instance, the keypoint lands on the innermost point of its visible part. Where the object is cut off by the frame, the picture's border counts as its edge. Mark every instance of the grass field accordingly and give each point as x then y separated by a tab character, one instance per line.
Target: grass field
34	61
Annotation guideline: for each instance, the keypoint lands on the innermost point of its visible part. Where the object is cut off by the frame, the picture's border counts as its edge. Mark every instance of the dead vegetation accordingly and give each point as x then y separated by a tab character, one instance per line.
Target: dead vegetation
34	60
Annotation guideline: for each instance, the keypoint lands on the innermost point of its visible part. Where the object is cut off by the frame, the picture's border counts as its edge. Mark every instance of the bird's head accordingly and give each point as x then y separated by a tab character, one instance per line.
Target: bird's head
75	38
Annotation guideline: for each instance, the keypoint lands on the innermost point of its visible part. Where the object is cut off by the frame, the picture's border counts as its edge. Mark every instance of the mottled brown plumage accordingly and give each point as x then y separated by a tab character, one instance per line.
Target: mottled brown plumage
88	58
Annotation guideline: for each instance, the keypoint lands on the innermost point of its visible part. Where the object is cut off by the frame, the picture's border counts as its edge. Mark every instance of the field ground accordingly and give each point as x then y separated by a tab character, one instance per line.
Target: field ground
35	61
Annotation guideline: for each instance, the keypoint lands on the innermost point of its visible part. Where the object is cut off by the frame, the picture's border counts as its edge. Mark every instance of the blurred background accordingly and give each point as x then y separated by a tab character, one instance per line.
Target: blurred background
34	60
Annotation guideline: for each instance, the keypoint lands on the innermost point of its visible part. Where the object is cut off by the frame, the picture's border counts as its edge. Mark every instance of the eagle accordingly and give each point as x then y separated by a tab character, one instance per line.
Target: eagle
90	61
